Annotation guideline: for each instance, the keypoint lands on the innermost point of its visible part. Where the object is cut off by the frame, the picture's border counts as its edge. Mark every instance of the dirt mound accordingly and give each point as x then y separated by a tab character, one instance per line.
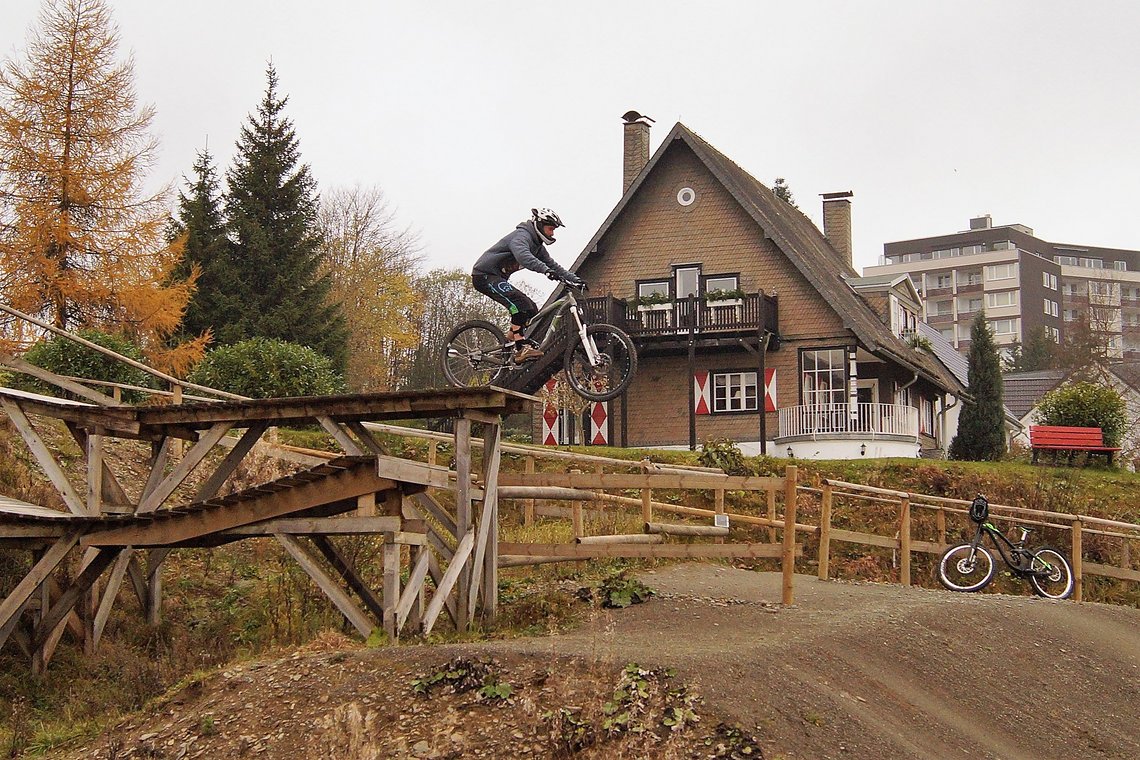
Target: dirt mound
850	671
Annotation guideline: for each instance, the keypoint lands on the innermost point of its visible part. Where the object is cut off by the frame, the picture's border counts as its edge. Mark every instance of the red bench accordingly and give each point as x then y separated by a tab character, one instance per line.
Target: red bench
1071	439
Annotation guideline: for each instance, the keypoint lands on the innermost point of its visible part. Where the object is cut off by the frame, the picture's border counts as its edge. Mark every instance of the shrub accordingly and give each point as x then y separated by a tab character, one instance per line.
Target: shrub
264	368
1086	404
64	356
725	454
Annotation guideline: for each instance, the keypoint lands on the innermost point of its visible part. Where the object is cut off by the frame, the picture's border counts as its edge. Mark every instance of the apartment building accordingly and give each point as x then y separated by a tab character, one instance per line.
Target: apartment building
1022	282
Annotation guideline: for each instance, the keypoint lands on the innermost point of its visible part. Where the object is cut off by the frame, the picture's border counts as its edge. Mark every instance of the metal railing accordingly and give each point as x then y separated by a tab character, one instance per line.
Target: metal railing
868	419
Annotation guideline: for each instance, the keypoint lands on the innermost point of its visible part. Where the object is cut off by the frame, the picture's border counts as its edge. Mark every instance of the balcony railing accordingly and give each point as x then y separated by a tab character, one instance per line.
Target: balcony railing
822	420
754	311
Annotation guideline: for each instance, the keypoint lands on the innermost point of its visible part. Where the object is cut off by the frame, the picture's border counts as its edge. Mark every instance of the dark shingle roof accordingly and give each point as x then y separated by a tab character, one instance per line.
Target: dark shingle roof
1022	390
804	245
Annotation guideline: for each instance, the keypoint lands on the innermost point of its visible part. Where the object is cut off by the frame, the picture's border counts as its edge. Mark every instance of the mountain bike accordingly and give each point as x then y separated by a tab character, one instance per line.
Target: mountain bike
970	566
600	360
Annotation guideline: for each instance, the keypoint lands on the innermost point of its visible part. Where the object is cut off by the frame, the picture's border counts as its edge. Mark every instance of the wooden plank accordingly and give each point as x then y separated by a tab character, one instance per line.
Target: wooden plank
346	570
867	539
351	447
788	560
693	551
44	457
412	589
671	529
1110	571
621	481
210	487
71	595
443	588
328	526
93	452
436	510
624	538
13	604
159	455
409	471
365	436
391	586
492	456
437	578
182	470
59	381
462	462
486	532
331	589
110	593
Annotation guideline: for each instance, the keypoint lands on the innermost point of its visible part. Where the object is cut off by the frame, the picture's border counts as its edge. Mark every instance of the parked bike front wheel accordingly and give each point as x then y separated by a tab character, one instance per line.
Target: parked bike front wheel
966	568
617	364
1050	573
474	354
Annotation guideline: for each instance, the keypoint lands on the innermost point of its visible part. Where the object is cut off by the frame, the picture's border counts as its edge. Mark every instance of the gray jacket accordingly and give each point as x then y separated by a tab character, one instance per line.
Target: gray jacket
522	249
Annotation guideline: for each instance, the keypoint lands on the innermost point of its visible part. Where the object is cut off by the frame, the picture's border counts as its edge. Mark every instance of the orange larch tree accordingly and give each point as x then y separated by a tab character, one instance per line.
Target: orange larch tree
82	243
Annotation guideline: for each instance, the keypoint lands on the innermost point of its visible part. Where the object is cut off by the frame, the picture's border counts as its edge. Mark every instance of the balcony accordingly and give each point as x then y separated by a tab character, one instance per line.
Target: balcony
688	316
831	431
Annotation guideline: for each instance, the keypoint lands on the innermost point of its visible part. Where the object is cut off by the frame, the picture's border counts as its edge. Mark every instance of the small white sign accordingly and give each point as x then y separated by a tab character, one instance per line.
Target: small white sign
720	521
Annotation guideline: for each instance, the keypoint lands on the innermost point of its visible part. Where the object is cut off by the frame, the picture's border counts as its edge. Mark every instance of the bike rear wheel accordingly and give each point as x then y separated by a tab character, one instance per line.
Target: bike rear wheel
966	568
1051	576
475	354
617	364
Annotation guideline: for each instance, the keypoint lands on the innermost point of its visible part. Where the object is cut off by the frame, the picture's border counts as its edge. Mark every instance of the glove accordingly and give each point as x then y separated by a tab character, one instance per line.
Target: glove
552	275
576	281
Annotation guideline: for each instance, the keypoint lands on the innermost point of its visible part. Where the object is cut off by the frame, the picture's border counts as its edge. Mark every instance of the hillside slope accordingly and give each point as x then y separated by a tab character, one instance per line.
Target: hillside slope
852	670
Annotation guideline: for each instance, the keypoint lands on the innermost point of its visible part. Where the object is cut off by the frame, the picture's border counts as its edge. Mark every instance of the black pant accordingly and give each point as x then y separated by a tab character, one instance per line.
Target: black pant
499	290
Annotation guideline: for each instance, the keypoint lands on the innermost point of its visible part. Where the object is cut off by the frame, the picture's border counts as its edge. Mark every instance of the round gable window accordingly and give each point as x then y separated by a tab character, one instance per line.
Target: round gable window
686	196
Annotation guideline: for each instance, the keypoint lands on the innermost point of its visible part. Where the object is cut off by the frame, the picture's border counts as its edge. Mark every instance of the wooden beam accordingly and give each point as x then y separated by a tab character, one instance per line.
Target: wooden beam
59	381
436	510
413	589
592	551
334	592
13	604
210	487
44	457
623	481
351	447
113	491
355	582
443	588
487	540
670	529
110	593
190	461
94	454
623	538
437	578
408	471
71	595
391	559
159	454
462	462
327	526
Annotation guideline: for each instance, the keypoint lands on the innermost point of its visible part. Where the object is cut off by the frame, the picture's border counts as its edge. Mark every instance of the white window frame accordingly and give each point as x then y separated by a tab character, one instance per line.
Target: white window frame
826	385
1011	324
1001	272
995	300
734	392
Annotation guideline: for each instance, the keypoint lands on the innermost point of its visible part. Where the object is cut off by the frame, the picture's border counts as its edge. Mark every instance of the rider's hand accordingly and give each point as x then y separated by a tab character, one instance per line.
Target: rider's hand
552	275
576	281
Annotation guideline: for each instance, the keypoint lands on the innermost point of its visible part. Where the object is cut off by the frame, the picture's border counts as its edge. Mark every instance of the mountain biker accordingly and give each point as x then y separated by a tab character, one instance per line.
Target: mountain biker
524	248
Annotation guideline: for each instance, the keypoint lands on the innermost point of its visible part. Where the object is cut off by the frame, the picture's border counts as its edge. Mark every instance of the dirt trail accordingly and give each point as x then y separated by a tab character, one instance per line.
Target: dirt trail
852	670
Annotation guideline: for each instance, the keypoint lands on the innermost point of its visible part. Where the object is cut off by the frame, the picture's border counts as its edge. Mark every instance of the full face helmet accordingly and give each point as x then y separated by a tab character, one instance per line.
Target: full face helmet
542	217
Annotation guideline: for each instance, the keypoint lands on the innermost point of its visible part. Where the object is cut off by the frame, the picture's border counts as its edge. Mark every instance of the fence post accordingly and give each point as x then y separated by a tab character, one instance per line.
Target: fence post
432	452
719	509
788	557
940	524
904	541
825	532
528	505
1078	582
772	516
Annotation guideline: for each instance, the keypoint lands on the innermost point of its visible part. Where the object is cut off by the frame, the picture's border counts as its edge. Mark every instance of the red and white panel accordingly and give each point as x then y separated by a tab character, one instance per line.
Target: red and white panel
599	427
701	392
551	420
769	389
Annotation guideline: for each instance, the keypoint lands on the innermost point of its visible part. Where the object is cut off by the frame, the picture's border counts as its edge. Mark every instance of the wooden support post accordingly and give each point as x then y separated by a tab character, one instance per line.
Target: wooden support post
13	605
462	519
576	519
366	505
114	582
391	584
95	473
44	457
344	567
443	588
904	541
788	557
647	505
154	589
432	452
1078	564
182	470
825	532
718	507
411	601
772	516
940	525
332	590
492	448
210	487
528	505
488	530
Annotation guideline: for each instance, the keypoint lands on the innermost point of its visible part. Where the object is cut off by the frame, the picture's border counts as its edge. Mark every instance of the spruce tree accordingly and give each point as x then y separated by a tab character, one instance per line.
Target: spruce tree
271	210
981	425
201	225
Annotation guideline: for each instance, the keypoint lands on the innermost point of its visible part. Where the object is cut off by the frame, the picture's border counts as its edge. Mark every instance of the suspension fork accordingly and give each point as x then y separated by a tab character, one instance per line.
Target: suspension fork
587	341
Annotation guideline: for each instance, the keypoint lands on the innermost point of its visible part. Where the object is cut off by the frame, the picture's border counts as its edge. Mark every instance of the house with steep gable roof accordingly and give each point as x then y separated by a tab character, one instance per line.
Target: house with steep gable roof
750	323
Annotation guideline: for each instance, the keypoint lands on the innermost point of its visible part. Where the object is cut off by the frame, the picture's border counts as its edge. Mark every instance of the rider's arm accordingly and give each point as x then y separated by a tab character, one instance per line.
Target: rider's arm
541	263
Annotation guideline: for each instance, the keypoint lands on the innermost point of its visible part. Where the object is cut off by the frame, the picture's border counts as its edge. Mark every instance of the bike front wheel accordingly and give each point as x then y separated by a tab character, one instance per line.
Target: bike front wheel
966	568
1050	573
474	354
617	363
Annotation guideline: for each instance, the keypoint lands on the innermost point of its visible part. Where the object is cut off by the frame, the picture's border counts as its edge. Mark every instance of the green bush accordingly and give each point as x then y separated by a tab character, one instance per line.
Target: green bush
725	454
1086	404
66	357
264	368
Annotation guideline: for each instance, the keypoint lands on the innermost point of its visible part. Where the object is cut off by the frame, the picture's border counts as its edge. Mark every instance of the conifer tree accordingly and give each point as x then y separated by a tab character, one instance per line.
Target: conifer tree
981	425
81	244
278	290
201	228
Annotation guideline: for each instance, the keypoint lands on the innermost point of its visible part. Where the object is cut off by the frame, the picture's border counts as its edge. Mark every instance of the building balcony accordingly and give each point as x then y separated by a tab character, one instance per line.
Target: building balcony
939	319
836	431
752	313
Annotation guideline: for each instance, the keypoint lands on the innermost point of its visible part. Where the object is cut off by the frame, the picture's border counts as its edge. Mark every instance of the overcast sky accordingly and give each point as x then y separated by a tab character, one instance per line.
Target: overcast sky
466	114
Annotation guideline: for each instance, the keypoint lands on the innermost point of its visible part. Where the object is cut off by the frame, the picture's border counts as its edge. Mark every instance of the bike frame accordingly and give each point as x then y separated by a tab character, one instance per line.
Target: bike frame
567	302
1007	549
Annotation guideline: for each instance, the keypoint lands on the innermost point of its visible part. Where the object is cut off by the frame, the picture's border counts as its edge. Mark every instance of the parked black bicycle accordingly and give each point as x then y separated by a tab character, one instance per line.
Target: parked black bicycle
971	567
600	360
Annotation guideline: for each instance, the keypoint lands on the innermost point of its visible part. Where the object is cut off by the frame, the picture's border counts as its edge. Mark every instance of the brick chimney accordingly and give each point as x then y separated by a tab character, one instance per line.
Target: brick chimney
636	153
837	222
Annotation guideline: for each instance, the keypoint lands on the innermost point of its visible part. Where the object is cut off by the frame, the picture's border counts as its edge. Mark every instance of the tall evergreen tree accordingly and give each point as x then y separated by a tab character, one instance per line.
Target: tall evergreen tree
981	425
1036	353
271	210
201	227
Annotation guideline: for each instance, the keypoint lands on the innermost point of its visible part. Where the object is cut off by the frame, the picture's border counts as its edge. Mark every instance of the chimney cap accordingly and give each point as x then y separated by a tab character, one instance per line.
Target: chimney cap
632	117
837	196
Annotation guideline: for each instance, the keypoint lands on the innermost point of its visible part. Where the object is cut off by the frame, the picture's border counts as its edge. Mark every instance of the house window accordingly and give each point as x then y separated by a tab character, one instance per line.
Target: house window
1071	315
970	250
1093	263
824	376
947	333
654	288
1055	333
972	278
1067	261
926	416
1004	326
1005	298
1052	308
722	282
1049	280
688	279
944	281
938	308
1120	266
969	305
1001	271
734	392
